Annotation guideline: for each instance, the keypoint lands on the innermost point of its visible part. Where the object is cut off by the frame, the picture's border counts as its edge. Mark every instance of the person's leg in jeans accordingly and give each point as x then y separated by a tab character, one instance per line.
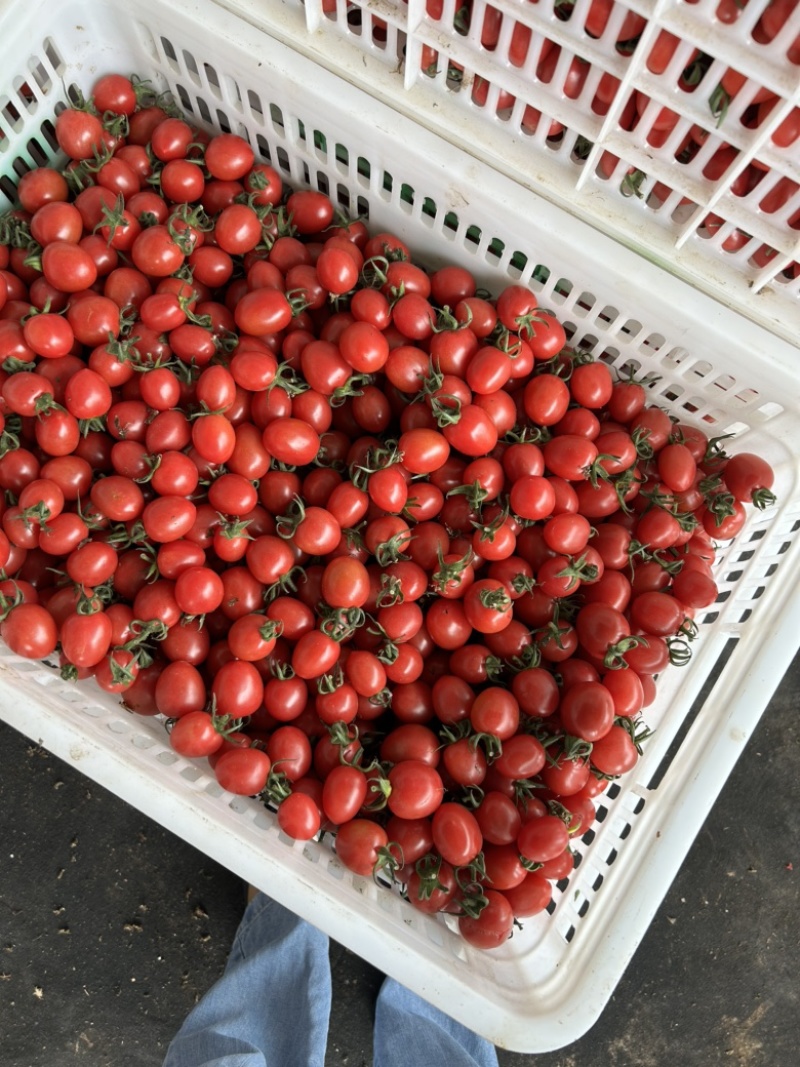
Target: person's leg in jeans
408	1030
271	1007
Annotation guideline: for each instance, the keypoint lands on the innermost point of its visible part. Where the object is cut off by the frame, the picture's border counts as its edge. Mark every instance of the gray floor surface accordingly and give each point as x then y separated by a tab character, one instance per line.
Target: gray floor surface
111	928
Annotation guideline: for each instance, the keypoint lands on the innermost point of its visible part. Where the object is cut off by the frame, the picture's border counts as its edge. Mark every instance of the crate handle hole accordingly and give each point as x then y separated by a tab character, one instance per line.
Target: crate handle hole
170	54
53	56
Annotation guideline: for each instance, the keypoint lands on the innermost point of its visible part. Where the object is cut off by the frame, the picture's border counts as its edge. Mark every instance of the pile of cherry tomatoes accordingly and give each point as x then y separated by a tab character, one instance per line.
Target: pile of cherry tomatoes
390	553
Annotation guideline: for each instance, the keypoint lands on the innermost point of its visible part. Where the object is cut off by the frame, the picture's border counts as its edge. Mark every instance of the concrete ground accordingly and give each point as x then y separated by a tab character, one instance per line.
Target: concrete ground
111	928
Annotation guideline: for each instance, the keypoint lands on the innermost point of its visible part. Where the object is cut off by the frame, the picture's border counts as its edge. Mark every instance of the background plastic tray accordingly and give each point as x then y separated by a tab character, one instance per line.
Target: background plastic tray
453	64
549	983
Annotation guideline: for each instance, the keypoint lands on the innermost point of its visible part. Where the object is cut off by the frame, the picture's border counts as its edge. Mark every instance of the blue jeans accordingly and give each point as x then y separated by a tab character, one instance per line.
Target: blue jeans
271	1007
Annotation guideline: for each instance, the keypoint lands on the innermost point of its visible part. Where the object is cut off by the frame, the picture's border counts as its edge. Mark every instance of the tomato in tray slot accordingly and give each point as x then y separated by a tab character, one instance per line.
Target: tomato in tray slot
662	50
387	551
787	130
772	22
599	14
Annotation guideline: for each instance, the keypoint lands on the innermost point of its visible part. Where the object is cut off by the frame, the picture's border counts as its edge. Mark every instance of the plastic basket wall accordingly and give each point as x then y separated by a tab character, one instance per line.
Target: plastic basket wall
549	983
669	124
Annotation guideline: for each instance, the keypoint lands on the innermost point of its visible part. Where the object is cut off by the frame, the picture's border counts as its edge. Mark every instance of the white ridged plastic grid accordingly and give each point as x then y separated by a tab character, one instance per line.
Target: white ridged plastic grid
549	983
712	197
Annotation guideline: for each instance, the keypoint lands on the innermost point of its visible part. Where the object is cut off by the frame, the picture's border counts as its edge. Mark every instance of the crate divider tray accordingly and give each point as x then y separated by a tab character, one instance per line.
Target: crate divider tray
384	46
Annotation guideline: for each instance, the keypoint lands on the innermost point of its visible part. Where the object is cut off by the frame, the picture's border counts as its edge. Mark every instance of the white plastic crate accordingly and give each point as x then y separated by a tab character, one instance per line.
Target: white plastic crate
461	68
721	371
